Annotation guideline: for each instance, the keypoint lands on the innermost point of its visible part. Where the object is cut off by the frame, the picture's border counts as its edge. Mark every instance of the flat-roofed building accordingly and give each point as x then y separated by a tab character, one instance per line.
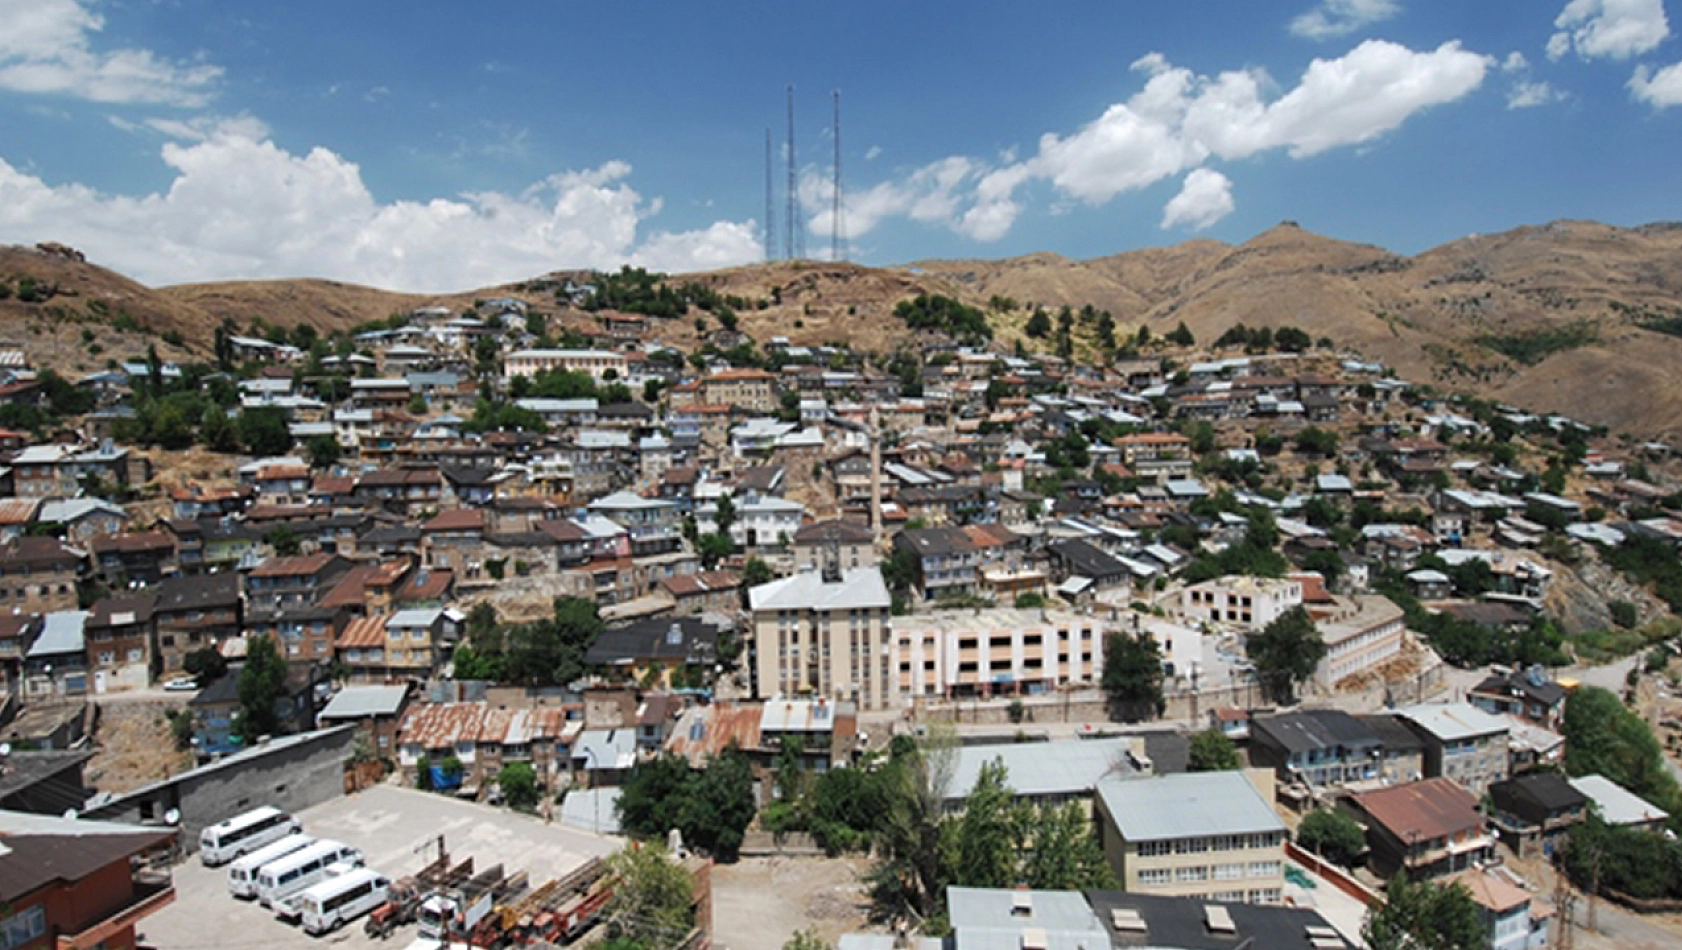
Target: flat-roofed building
595	362
827	632
997	652
1363	633
1462	742
1241	601
1211	835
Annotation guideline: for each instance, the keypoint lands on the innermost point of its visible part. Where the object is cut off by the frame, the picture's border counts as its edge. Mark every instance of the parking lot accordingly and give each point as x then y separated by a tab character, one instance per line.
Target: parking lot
390	825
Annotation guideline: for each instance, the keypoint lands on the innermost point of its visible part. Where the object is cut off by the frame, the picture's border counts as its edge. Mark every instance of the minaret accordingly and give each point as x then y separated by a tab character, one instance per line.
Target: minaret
875	436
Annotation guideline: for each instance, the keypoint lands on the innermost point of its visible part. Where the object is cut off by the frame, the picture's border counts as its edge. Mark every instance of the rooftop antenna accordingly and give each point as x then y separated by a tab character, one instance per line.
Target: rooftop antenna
770	205
837	229
792	243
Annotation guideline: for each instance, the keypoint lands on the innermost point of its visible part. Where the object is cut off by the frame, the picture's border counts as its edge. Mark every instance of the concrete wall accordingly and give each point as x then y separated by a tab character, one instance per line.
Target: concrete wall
292	775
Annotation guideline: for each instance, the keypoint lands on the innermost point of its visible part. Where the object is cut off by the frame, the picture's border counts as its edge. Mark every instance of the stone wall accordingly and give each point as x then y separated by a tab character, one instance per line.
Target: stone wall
291	773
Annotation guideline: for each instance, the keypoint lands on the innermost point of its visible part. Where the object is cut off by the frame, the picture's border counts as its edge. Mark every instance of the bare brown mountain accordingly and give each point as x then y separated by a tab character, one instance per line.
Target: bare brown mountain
1564	317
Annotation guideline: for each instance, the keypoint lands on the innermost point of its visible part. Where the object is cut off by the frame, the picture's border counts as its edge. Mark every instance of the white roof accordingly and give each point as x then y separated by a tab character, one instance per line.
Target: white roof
1618	805
415	617
1187	805
1065	767
355	702
60	633
60	511
859	587
1453	721
628	501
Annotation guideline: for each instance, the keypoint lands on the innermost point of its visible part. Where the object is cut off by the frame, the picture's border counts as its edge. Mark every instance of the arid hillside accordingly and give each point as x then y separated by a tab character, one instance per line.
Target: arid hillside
1574	317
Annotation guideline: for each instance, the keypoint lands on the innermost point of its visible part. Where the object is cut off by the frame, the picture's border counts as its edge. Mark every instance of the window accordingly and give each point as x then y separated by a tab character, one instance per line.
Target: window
1229	872
1264	868
1191	874
23	927
1152	877
1153	849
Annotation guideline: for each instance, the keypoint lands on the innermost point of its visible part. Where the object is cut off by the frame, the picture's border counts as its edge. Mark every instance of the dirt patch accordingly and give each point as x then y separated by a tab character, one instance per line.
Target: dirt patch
134	746
761	902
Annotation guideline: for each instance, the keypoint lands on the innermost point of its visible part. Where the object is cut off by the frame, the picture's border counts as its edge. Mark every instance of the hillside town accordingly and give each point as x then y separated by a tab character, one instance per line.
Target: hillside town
1099	637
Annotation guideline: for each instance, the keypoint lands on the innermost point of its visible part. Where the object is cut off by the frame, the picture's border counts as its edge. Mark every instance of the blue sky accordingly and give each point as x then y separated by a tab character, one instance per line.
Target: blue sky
437	146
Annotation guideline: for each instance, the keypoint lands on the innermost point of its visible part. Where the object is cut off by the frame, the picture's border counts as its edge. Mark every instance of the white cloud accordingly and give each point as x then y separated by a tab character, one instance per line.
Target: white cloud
1515	62
1617	29
1333	18
46	47
1528	94
1661	89
240	206
1174	124
873	153
1205	197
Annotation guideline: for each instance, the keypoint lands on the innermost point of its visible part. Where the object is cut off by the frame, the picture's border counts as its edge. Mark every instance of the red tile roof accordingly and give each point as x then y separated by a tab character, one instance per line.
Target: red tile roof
457	519
292	566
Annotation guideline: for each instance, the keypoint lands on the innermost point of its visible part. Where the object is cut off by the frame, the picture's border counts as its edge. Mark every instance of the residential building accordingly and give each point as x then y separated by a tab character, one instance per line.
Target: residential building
1318	747
827	632
703	592
81	520
851	543
1401	751
193	613
1046	773
652	651
1247	603
56	664
598	363
289	582
1618	806
651	522
483	738
118	636
1462	742
39	575
962	653
1512	918
751	389
1211	835
1534	811
1361	634
75	884
1530	694
378	710
123	559
1429	828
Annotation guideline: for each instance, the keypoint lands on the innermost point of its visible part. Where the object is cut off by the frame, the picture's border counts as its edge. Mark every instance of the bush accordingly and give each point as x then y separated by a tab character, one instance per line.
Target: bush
1624	613
1030	601
1332	835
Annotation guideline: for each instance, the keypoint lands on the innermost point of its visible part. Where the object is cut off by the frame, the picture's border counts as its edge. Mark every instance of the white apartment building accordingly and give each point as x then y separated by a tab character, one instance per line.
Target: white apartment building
996	652
1364	632
826	632
595	362
1240	601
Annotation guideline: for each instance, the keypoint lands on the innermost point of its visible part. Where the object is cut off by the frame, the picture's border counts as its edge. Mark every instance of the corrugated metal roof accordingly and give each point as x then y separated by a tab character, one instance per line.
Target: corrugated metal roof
1187	805
363	632
356	702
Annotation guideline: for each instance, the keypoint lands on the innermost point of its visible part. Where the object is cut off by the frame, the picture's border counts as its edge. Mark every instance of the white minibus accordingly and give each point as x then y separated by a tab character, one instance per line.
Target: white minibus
281	879
227	840
341	899
242	874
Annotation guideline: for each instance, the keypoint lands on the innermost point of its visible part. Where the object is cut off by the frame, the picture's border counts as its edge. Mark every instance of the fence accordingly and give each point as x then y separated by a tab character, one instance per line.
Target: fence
1333	875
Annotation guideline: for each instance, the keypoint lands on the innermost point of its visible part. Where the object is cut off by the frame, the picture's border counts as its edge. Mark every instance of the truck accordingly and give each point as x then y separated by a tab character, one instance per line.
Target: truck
539	916
406	895
455	913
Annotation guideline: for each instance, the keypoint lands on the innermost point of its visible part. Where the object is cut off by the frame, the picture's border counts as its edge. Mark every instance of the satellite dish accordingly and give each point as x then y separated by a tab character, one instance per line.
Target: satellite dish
5	748
172	817
70	814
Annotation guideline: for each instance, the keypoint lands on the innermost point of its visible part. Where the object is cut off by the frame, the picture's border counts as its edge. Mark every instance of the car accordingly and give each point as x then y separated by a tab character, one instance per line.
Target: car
181	684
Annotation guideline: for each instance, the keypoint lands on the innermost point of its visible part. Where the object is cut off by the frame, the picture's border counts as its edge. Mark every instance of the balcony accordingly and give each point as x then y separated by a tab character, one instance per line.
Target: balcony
153	891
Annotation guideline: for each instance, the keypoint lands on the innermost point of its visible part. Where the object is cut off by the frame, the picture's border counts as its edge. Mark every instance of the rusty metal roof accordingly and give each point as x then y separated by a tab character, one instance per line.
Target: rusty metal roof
363	632
705	731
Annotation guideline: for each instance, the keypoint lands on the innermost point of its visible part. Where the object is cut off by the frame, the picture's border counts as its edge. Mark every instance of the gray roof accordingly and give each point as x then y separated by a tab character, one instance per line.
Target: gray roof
1067	767
356	702
989	919
1449	722
859	587
1617	805
1187	805
60	633
595	810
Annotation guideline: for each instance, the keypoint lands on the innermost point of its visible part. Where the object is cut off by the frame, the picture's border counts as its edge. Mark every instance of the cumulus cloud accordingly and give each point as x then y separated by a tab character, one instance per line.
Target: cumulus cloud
1333	18
240	206
1205	197
1615	29
1661	89
47	47
1528	94
1178	121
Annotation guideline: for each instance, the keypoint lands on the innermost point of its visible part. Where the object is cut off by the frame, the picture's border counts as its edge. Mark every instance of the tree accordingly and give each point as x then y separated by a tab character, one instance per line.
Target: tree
261	685
324	451
724	515
1603	737
1039	325
217	431
1212	751
718	809
1316	441
417	404
908	877
982	847
713	548
263	431
1181	335
205	665
806	940
284	541
1332	835
653	897
1286	653
1133	676
1060	852
756	572
1425	916
518	782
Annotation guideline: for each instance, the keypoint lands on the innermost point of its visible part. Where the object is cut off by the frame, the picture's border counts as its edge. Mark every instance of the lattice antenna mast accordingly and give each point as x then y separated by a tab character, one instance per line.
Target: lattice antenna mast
770	204
837	227
792	238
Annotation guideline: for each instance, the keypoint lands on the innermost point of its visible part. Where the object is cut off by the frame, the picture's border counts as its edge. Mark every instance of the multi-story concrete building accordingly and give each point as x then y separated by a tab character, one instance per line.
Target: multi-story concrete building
751	389
1211	835
996	652
1425	829
38	575
827	632
118	637
1319	747
1462	742
193	613
72	884
1362	633
851	543
598	363
1248	603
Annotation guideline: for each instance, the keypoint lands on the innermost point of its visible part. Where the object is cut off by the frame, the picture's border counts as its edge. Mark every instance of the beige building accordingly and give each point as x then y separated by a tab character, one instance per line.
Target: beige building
826	633
1363	632
1210	835
595	362
1249	603
748	388
996	652
850	541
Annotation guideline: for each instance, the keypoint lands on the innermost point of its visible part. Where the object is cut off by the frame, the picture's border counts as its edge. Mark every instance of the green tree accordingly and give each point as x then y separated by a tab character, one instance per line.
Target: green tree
1286	653
983	852
1332	835
518	782
284	541
205	665
1603	737
756	572
716	812
1132	677
653	898
417	404
807	940
1317	442
261	685
1039	325
1212	751
217	431
324	451
262	430
1060	851
1181	335
1425	916
713	548
908	877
